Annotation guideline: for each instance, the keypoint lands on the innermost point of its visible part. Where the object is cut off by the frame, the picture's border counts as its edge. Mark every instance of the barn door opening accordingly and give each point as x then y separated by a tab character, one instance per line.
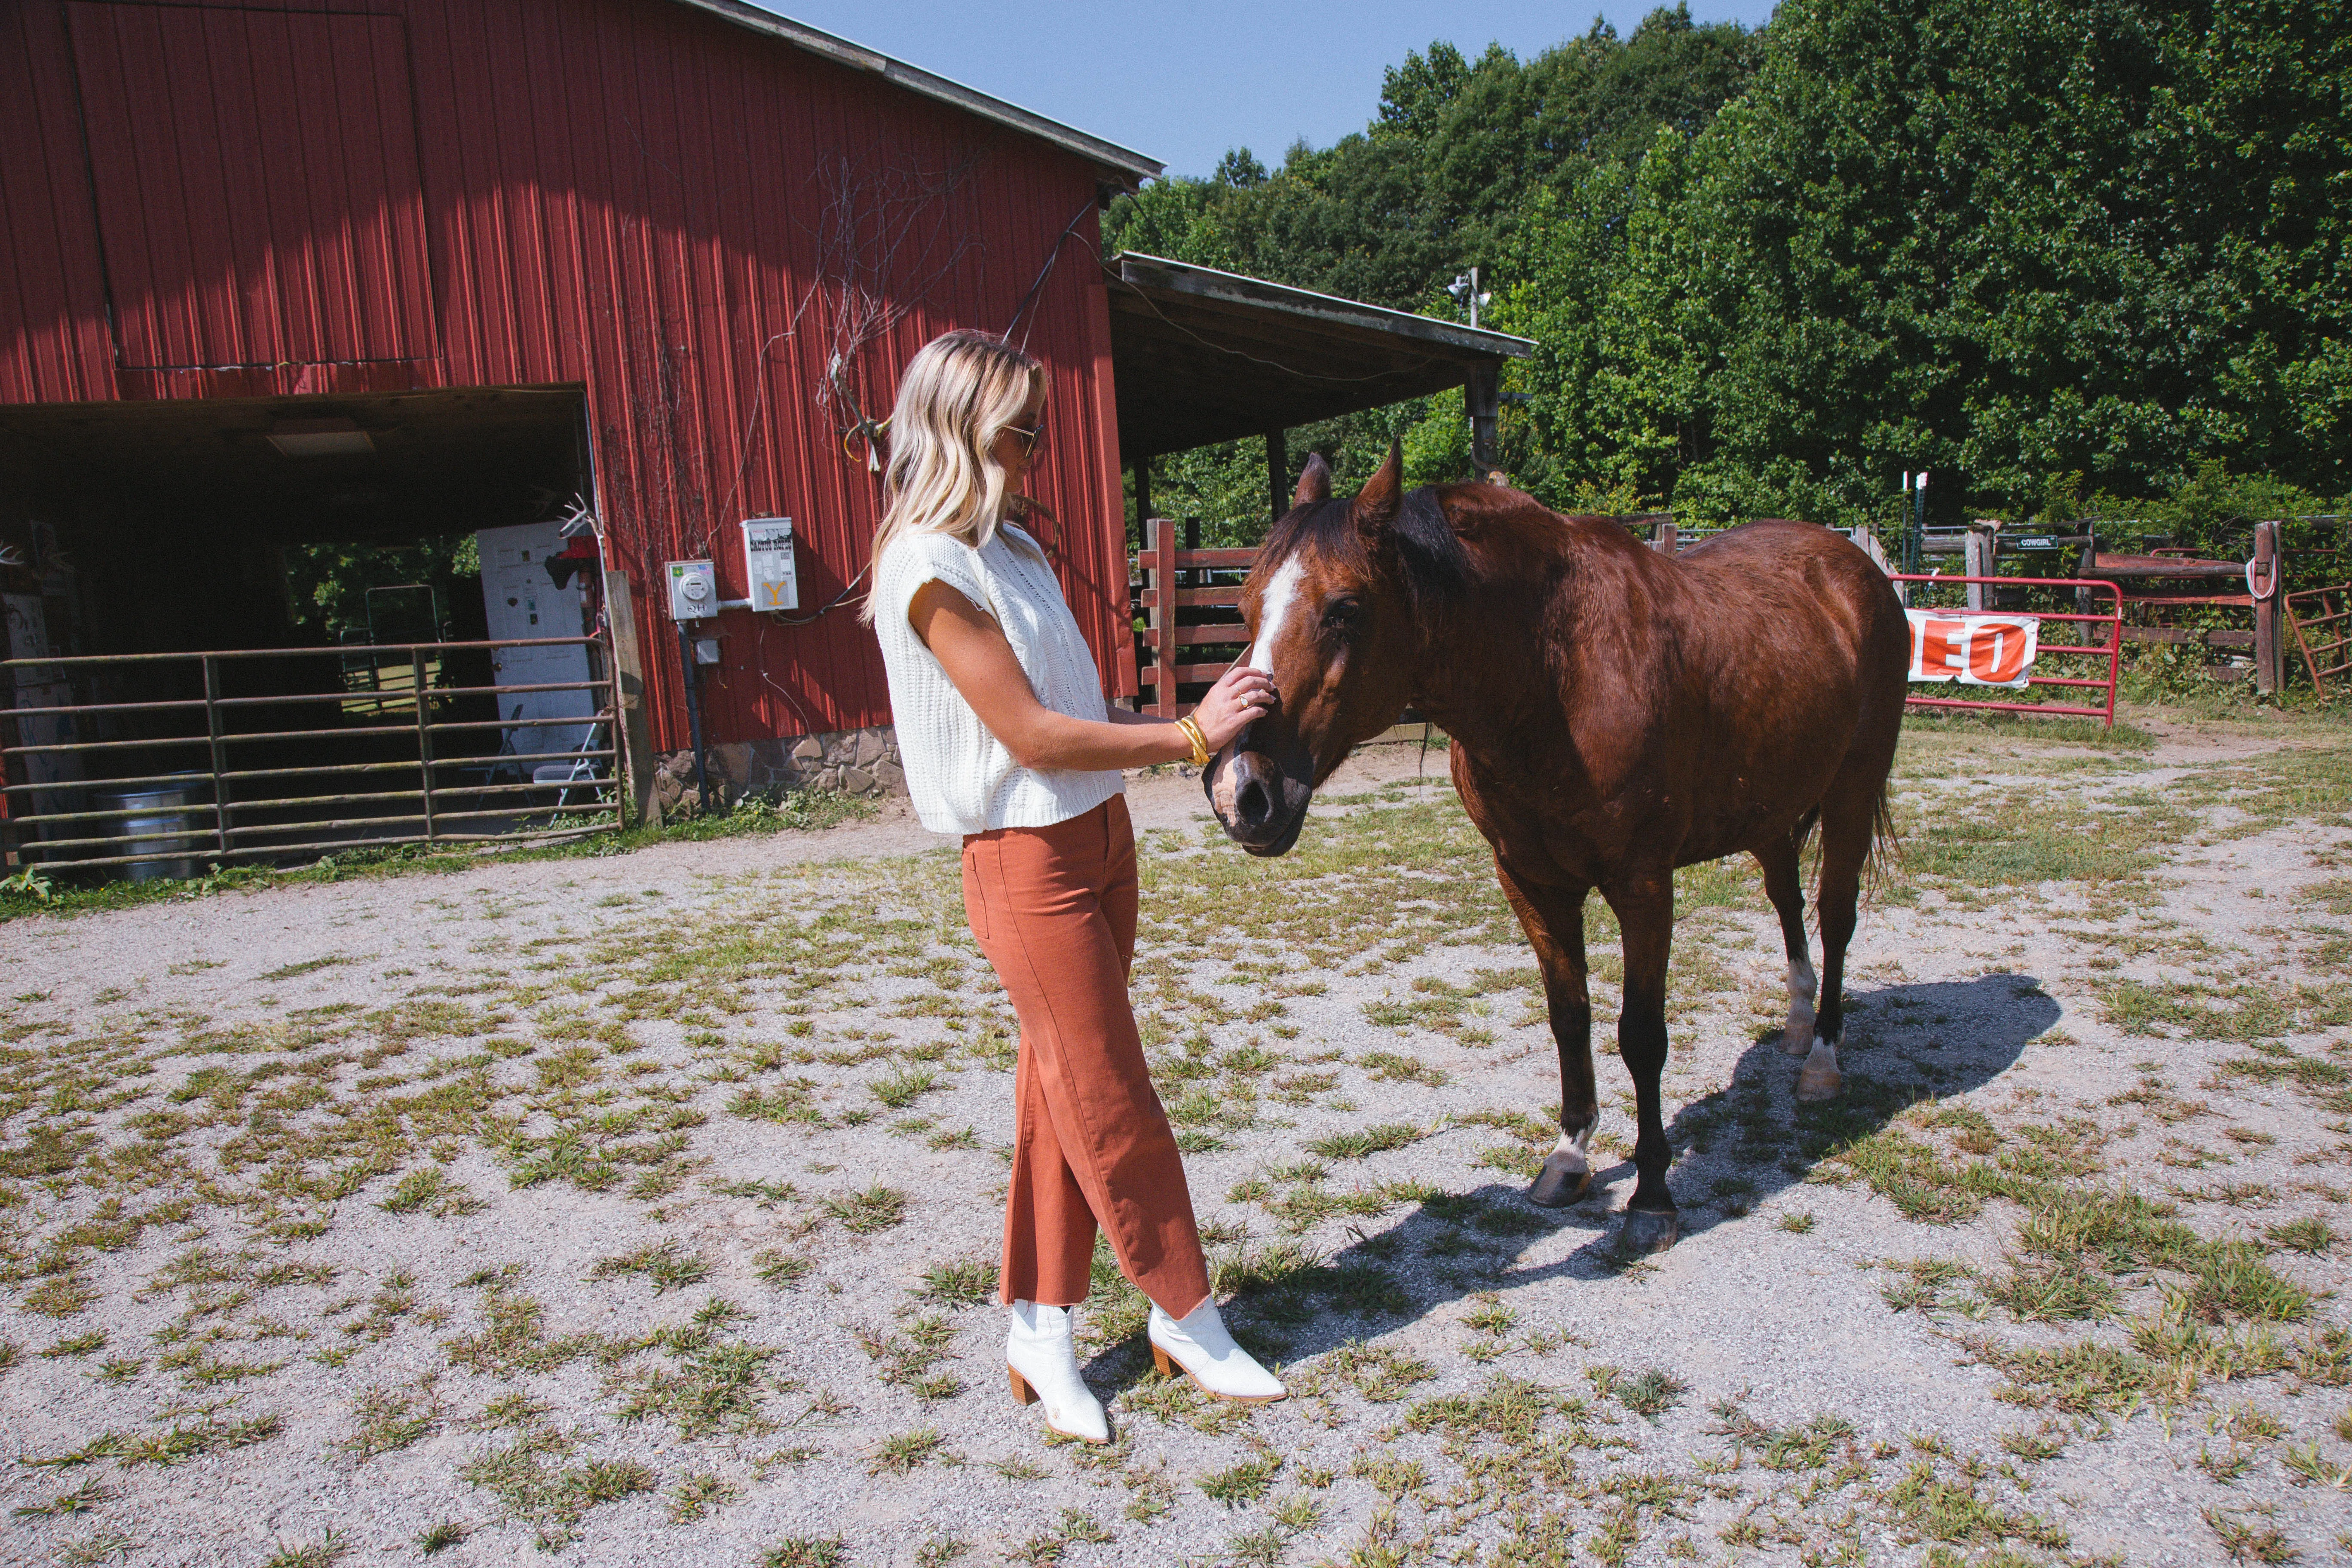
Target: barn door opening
300	625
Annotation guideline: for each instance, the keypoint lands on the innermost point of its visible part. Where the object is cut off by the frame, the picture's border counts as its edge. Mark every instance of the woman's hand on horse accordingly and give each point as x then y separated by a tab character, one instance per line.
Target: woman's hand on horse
1240	695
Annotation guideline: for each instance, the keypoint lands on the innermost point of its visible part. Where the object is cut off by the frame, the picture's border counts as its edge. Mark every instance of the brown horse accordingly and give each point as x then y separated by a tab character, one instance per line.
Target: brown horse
1613	713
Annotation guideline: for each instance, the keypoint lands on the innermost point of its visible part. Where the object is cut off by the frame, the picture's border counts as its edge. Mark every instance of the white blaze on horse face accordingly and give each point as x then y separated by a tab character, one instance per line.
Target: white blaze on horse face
1273	609
1802	989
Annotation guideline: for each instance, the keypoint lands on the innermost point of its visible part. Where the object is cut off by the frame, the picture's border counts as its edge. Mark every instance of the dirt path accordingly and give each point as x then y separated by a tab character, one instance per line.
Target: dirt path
643	1209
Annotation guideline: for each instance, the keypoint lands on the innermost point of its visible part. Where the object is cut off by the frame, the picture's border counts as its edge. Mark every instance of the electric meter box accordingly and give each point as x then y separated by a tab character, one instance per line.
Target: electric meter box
693	591
768	564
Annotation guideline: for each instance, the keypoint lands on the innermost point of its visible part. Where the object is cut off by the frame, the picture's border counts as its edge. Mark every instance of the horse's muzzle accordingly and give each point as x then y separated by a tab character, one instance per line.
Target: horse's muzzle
1254	802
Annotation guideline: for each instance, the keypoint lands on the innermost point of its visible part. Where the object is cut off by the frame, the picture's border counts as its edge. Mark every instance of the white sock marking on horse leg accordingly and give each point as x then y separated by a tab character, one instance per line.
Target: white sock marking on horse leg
1573	1153
1802	988
1819	1079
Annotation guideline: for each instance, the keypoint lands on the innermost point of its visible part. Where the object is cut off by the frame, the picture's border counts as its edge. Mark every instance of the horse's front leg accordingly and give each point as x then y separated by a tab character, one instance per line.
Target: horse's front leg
1645	912
1553	917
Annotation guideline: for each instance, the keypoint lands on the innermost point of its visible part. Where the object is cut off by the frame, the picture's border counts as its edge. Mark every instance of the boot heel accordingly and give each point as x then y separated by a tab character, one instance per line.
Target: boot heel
1159	1360
1021	1389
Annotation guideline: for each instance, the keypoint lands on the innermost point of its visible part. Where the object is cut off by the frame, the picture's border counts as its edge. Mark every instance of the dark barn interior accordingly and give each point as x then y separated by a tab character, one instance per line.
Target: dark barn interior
152	528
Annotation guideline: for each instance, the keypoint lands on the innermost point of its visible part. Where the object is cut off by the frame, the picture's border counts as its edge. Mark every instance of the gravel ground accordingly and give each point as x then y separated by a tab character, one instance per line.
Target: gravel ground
641	1209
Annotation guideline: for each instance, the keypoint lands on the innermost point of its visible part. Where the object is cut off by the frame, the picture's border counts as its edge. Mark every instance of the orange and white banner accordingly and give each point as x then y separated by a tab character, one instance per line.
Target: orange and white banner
1975	650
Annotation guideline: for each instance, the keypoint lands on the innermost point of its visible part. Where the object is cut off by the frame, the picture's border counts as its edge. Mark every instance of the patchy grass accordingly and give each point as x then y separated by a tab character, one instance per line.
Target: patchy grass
2166	1245
869	1209
664	1265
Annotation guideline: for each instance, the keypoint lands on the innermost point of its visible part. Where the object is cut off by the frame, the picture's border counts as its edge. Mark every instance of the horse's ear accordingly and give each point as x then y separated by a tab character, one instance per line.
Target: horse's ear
1376	503
1315	484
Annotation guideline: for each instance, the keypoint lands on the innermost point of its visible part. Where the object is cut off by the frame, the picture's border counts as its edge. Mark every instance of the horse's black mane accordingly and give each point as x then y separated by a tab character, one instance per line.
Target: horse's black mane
1431	564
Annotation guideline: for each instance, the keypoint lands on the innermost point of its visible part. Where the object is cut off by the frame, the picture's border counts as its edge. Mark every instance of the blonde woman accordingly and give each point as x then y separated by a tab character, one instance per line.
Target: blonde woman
1008	741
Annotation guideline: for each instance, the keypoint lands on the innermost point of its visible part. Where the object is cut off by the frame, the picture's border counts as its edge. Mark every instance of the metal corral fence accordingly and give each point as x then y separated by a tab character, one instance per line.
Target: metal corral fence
236	766
2084	592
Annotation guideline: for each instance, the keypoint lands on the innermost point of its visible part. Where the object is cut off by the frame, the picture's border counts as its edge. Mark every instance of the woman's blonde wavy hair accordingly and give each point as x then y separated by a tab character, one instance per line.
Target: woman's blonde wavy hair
962	390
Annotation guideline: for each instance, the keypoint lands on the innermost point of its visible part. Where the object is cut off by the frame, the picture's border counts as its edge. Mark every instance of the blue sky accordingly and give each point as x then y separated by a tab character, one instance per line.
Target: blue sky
1184	83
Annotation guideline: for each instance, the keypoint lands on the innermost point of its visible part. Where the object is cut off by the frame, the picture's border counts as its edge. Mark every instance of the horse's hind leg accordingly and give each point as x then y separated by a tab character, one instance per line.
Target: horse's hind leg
1645	912
1553	919
1784	885
1848	818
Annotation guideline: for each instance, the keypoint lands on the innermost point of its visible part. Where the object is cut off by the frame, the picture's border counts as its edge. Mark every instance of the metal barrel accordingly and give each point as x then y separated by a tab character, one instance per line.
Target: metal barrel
163	811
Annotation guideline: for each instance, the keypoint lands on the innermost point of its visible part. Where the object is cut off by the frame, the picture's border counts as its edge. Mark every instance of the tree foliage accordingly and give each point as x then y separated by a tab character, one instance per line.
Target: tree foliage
326	586
2005	241
2059	251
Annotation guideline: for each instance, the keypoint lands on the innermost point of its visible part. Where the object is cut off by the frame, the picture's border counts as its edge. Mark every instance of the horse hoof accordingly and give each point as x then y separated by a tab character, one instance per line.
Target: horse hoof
1556	1187
1796	1042
1817	1084
1647	1232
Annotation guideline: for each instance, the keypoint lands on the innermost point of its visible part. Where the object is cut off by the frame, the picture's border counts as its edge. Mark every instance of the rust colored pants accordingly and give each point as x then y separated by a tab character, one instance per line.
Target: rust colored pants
1054	908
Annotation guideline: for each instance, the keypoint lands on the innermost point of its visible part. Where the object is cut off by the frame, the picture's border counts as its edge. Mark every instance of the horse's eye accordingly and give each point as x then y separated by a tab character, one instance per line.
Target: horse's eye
1340	615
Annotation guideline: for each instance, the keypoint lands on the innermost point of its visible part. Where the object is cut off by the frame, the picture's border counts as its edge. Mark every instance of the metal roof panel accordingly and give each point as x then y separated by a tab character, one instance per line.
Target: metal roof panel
914	79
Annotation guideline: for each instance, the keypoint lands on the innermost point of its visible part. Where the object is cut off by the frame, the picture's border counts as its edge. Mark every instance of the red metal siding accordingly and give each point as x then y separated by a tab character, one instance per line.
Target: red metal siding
257	185
637	197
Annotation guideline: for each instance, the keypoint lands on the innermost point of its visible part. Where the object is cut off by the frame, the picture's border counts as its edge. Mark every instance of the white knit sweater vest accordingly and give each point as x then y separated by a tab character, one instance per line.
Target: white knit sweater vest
961	776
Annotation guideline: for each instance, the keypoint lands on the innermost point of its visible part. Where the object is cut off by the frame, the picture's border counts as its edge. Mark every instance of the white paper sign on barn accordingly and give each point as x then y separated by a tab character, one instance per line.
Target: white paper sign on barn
1975	650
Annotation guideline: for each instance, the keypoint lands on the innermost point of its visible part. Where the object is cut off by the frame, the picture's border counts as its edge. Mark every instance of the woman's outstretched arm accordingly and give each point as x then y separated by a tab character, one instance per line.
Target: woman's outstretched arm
971	647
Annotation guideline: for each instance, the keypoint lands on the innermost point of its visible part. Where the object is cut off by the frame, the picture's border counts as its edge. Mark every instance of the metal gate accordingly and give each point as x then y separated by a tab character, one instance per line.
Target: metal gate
292	753
2110	652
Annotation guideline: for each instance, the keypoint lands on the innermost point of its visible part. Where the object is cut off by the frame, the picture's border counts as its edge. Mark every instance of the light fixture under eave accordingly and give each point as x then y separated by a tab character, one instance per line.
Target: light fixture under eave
318	438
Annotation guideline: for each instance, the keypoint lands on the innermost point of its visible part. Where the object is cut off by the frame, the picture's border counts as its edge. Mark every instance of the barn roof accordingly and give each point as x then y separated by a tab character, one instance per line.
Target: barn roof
1200	355
914	79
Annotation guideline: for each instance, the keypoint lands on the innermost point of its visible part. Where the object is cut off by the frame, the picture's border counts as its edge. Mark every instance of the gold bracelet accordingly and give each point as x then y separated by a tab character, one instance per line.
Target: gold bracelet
1200	742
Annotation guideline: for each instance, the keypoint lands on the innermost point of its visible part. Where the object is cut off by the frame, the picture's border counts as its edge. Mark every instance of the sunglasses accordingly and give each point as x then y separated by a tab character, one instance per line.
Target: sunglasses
1030	439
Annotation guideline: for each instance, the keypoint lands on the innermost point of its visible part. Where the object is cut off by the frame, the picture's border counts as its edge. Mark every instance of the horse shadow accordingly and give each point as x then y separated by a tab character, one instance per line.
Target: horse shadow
1734	1149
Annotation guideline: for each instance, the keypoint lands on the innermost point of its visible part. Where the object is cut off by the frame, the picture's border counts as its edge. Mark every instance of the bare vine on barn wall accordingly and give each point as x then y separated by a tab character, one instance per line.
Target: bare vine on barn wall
884	240
885	237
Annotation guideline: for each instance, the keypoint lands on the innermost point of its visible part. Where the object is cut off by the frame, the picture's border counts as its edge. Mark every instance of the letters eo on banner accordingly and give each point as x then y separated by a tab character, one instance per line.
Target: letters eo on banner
1975	650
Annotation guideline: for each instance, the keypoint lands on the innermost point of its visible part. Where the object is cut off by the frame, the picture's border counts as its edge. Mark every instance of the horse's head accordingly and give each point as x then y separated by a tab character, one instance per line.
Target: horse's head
1334	607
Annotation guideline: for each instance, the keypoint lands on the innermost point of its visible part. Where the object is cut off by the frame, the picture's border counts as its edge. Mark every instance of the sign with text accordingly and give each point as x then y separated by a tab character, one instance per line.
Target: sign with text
1975	650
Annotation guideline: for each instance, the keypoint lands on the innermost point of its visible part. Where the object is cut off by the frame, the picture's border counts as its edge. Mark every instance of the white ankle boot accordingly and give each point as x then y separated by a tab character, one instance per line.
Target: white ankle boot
1199	1345
1044	1366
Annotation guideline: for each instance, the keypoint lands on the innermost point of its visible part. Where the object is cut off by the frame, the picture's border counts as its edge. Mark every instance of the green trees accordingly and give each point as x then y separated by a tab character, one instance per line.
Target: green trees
2003	239
1445	176
1442	178
2047	248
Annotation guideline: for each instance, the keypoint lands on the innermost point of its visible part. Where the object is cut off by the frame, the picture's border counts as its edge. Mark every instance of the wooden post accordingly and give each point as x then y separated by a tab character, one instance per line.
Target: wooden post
1665	538
220	751
1159	559
1277	472
1867	543
1482	394
1143	496
2268	571
424	734
634	728
1977	557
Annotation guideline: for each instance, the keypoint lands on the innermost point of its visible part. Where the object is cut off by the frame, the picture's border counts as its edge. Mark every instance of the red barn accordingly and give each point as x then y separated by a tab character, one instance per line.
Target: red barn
374	270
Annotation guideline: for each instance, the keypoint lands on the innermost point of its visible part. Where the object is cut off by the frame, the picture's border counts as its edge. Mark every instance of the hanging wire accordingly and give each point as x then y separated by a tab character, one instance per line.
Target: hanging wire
1052	256
782	619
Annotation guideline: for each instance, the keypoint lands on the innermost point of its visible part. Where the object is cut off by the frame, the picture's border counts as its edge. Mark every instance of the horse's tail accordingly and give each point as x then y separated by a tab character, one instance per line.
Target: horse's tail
1885	843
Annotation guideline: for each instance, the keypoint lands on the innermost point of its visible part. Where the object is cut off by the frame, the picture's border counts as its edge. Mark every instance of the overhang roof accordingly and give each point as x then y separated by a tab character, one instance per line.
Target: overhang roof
1201	355
1135	166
